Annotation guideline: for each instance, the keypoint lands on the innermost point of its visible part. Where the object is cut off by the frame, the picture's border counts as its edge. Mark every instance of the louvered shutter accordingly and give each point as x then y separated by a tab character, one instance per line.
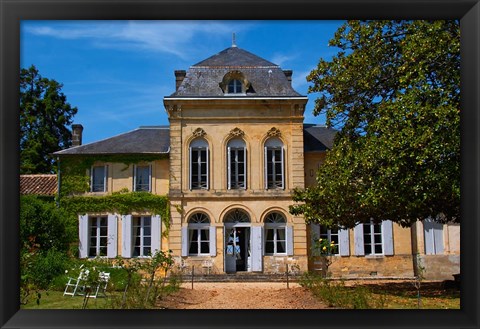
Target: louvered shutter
184	241
156	234
245	167
283	167
257	248
344	242
289	232
265	167
429	237
358	239
208	168
229	168
112	236
387	232
190	163
83	236
213	240
127	236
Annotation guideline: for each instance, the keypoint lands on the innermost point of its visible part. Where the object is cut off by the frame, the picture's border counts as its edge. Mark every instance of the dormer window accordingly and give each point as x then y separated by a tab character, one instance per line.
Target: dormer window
235	87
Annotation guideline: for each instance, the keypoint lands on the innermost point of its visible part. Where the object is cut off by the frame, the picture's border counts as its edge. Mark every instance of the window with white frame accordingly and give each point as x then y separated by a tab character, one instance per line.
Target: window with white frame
275	234
98	236
142	236
142	178
199	235
331	235
374	238
433	233
98	179
199	164
274	164
236	164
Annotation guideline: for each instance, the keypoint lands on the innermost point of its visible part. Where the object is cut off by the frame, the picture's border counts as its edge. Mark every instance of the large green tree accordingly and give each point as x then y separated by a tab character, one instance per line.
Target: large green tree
45	116
393	93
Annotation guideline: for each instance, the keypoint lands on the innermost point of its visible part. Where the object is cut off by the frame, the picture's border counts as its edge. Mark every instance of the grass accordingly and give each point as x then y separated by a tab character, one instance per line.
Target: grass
56	300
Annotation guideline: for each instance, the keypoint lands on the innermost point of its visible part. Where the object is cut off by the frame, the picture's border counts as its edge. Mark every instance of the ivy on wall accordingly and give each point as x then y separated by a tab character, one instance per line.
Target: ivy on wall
75	182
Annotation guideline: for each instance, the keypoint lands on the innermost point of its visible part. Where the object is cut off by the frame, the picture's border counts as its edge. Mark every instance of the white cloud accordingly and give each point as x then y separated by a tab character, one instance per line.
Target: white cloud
281	59
171	37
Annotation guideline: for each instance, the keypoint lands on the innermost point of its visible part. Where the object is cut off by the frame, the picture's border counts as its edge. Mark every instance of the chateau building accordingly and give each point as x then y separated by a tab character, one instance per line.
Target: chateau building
235	148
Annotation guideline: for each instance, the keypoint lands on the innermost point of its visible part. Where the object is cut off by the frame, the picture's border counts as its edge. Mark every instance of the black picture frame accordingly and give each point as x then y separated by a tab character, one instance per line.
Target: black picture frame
13	11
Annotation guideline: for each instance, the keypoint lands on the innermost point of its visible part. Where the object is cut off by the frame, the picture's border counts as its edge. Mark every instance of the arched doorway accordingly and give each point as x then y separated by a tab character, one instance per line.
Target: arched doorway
237	241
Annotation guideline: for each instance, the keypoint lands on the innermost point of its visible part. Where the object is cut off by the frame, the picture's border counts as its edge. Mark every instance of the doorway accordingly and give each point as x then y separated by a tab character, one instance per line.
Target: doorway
237	249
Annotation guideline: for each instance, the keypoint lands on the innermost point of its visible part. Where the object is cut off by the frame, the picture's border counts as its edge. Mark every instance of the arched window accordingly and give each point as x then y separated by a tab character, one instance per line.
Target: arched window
274	164
235	86
237	216
275	234
199	164
236	164
199	235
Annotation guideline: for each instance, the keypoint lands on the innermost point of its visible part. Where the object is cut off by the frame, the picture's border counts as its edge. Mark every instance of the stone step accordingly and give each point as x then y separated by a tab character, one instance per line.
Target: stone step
239	278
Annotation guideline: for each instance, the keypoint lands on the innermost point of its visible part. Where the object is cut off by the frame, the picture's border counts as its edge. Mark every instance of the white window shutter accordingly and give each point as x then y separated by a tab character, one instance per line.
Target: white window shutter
358	239
343	242
127	236
83	235
156	234
229	168
105	179
283	167
265	167
257	247
185	241
213	240
289	232
112	236
315	232
150	181
429	236
208	168
134	187
387	231
438	237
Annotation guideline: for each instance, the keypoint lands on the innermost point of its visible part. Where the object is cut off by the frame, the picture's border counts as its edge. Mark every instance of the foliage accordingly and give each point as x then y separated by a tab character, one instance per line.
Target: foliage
120	202
392	91
45	116
325	250
336	294
45	225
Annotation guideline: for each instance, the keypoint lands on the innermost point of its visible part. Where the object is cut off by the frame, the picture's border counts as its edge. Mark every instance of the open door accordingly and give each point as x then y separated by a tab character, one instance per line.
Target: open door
237	249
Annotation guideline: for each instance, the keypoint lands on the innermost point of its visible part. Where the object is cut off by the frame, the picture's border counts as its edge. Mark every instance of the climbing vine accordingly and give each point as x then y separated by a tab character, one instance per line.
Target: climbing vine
75	182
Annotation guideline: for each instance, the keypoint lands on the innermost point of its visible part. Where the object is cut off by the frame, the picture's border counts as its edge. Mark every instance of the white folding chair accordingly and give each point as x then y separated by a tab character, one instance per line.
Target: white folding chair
76	285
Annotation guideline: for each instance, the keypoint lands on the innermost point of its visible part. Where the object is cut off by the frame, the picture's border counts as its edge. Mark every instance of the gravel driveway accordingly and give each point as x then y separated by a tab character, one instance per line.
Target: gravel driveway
241	295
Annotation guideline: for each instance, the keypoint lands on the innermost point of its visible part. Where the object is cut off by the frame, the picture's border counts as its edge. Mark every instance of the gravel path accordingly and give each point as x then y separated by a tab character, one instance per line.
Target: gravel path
241	295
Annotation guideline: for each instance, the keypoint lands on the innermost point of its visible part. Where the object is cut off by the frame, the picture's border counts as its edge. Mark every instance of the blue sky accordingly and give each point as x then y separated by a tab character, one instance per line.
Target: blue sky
117	72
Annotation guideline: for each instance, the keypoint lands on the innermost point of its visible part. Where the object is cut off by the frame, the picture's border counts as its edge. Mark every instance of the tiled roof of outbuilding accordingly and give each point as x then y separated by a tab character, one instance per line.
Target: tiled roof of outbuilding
317	138
44	185
203	79
143	140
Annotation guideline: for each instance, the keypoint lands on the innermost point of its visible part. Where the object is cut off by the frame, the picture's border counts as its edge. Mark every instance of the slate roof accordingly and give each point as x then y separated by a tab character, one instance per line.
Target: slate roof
156	140
317	138
143	140
203	79
44	185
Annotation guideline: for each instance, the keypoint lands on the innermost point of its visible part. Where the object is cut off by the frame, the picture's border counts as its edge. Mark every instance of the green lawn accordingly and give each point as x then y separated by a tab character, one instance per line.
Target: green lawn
56	300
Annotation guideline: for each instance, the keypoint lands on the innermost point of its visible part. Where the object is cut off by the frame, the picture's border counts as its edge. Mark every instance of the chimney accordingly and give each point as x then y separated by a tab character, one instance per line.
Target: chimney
77	134
179	76
288	74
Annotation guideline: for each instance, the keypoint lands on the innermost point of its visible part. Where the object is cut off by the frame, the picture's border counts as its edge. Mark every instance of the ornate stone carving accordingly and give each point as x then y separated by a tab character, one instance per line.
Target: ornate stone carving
174	110
236	132
274	132
199	132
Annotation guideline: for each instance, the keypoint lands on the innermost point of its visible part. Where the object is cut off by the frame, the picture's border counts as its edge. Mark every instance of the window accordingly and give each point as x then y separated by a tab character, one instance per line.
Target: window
199	235
274	164
236	164
98	236
433	233
372	239
142	236
330	235
142	178
234	86
98	179
275	234
199	164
